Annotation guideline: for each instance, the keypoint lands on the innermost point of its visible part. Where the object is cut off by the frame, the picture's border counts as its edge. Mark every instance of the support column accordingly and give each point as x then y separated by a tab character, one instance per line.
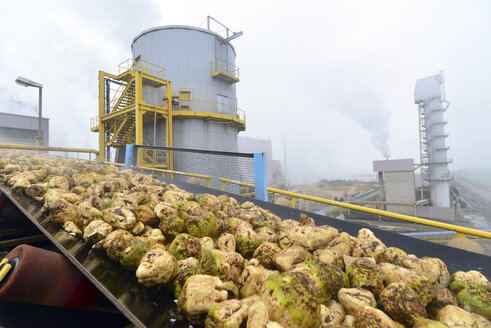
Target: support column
102	149
169	141
128	158
138	116
260	177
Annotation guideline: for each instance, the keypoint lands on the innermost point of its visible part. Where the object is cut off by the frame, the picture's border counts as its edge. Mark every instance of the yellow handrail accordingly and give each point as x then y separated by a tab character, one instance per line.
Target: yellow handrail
154	98
459	229
75	158
115	164
196	175
94	121
27	147
224	66
210	106
142	66
90	160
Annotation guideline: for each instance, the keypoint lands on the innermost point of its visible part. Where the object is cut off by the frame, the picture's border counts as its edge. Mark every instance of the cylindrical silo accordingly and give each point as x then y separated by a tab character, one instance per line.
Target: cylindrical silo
428	94
200	64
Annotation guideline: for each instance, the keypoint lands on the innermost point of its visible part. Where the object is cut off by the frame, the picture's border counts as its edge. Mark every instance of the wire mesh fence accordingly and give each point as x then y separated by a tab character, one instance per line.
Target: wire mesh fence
197	163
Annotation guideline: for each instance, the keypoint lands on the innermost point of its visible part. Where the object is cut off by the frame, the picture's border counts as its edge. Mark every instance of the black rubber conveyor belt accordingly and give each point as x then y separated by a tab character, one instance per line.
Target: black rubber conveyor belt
154	307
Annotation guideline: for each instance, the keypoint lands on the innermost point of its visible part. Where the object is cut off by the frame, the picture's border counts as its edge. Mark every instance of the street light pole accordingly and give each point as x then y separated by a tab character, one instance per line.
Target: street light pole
40	120
29	83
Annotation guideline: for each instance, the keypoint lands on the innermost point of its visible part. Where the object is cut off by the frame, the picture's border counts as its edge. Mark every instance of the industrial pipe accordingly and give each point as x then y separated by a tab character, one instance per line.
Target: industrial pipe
27	147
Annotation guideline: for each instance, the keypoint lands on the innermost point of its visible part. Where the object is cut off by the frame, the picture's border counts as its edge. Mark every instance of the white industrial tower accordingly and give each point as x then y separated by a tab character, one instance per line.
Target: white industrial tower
429	95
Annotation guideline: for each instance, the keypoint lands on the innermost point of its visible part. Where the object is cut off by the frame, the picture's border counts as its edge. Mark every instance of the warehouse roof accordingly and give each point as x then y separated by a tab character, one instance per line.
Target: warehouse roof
16	121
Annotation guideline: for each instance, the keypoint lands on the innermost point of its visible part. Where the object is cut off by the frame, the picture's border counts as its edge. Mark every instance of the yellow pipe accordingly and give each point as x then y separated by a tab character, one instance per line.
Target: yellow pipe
398	216
169	140
138	117
91	160
27	147
380	203
238	182
116	164
101	156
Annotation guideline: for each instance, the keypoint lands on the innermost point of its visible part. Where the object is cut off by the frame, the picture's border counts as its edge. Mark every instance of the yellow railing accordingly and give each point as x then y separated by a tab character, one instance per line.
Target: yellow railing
94	122
461	231
27	147
115	164
207	178
380	205
89	160
159	100
198	105
222	66
154	156
142	66
340	209
154	98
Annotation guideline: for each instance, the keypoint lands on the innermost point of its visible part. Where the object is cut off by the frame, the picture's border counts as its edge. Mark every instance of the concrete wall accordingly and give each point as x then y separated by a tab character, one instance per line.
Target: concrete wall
434	212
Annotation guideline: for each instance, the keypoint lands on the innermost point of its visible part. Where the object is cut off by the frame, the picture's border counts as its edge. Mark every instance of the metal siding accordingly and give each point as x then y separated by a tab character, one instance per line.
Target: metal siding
15	121
8	120
399	187
186	54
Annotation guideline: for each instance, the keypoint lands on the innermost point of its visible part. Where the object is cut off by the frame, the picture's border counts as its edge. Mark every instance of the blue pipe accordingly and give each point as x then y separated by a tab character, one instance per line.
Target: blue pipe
434	233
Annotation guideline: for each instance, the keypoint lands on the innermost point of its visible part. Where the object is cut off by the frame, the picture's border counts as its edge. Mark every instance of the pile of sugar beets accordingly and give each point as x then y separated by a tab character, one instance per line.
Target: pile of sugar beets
238	265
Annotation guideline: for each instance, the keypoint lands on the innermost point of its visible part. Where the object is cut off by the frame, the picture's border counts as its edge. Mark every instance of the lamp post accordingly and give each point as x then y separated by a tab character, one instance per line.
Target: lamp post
29	83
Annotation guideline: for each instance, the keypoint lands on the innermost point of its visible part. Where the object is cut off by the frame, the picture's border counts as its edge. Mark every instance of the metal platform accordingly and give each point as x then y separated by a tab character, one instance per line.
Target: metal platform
154	307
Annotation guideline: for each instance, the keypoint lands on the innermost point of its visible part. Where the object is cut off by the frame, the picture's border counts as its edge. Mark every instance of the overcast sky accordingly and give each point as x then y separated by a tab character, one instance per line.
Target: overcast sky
331	80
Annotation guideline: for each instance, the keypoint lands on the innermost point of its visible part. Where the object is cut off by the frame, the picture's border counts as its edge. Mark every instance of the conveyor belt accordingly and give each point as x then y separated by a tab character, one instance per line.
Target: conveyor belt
154	307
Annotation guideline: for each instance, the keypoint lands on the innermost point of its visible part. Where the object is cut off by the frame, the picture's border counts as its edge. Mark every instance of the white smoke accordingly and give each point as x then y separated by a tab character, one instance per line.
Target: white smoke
365	107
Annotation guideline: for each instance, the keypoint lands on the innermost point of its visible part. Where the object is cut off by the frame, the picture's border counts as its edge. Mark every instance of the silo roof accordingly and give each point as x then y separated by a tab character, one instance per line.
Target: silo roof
181	27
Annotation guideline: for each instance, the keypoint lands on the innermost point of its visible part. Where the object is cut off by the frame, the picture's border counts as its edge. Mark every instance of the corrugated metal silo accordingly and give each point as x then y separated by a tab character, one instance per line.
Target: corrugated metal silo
200	64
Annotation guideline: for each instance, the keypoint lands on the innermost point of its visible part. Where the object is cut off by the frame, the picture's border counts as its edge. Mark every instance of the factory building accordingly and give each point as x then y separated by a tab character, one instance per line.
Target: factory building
22	129
256	145
396	177
398	190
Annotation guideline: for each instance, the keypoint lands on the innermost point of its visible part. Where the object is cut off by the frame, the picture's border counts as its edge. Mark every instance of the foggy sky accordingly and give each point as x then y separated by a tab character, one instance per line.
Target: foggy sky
333	80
